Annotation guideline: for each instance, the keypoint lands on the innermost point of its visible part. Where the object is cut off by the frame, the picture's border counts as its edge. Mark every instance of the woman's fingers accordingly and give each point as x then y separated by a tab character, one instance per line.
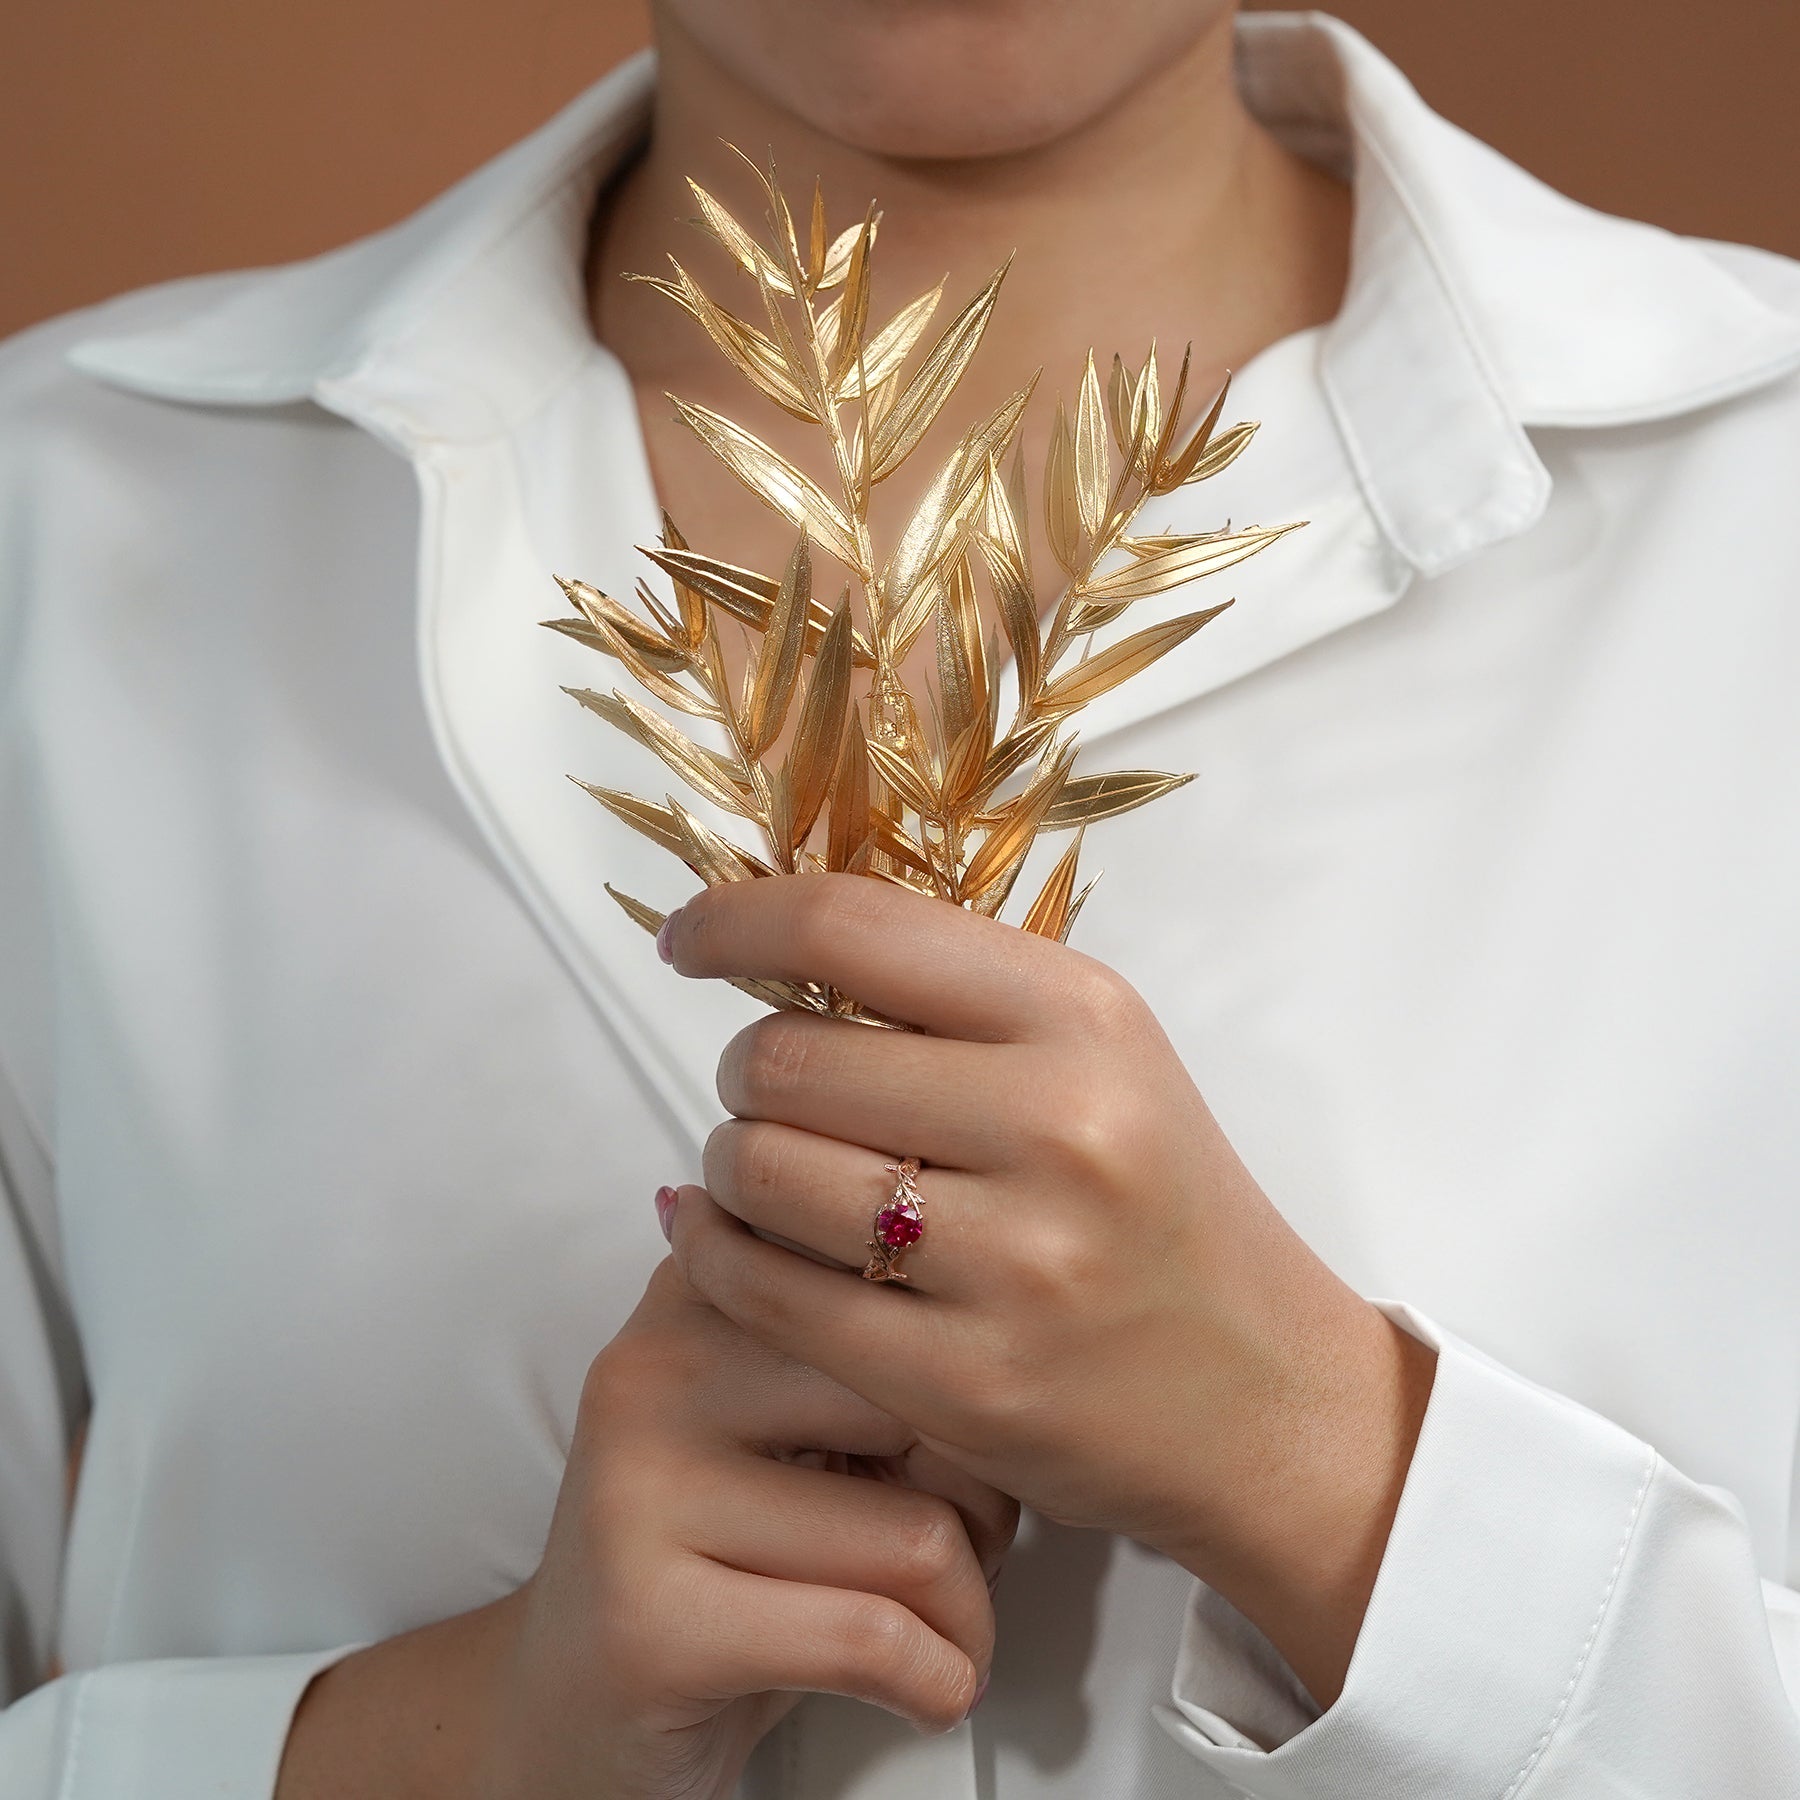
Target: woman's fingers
946	1102
990	1517
909	957
822	1195
765	1633
869	1336
848	1531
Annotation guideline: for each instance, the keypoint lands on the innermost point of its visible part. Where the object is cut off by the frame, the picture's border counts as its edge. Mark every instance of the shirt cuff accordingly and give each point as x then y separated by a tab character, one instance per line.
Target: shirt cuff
164	1730
1510	1534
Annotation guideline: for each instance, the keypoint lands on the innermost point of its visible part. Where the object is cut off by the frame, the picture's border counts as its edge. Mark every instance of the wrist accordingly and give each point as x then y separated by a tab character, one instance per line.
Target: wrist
408	1717
1294	1535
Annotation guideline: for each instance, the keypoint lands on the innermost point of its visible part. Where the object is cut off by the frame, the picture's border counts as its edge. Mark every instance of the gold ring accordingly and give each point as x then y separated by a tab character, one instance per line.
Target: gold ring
899	1222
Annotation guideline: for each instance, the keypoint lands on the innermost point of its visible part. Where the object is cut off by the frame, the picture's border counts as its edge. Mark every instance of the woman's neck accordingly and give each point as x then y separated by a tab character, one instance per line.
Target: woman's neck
1174	216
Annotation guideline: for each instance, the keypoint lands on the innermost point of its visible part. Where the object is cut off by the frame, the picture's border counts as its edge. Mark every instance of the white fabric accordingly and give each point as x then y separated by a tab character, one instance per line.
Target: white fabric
333	1091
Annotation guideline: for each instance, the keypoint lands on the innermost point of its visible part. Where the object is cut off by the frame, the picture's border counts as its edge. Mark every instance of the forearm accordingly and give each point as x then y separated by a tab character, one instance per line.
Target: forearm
404	1719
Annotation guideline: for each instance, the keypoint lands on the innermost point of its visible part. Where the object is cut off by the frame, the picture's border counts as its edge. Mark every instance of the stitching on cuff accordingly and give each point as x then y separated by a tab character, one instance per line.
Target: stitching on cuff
1612	1581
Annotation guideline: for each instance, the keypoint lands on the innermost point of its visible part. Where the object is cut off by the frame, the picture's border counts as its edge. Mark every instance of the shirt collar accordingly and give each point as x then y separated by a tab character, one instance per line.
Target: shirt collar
1480	301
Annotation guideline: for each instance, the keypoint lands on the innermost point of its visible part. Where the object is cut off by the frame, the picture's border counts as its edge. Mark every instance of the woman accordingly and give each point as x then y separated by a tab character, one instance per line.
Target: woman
334	1088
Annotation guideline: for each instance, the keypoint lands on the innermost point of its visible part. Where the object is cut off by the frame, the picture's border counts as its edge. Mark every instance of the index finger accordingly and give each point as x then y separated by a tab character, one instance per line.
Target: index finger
911	958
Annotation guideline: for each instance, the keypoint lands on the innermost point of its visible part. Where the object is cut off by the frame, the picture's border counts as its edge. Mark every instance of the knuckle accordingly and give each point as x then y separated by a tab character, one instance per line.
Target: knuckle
1059	1260
830	908
929	1540
876	1634
635	1375
755	1168
1082	1135
1107	1005
772	1058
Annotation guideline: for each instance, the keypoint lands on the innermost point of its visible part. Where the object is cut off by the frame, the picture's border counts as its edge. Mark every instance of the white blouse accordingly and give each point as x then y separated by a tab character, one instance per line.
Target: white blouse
334	1091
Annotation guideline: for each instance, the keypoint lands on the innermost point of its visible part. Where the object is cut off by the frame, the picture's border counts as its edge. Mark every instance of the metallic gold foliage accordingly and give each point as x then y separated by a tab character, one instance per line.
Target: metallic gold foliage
943	791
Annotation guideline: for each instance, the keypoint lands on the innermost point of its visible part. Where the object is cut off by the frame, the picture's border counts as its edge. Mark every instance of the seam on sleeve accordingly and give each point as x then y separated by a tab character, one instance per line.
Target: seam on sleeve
1581	1659
65	1789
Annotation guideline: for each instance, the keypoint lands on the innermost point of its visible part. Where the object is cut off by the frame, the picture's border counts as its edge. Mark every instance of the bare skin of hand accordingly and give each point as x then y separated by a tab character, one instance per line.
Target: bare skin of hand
733	1530
1106	1316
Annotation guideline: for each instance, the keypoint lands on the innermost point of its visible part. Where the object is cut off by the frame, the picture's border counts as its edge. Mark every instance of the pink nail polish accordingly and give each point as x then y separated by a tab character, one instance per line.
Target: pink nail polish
663	947
665	1210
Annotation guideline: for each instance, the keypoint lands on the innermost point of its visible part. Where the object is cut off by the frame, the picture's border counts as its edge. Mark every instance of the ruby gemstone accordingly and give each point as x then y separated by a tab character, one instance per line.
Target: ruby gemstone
897	1229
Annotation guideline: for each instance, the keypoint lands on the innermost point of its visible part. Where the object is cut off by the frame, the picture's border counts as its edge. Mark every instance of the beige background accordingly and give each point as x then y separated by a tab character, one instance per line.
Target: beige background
141	139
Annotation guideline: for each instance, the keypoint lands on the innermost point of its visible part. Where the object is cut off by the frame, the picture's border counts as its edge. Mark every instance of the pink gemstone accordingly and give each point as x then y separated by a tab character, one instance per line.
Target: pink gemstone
897	1229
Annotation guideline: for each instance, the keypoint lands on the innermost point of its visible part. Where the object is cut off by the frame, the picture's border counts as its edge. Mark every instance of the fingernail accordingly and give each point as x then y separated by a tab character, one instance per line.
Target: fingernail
665	1210
664	949
977	1700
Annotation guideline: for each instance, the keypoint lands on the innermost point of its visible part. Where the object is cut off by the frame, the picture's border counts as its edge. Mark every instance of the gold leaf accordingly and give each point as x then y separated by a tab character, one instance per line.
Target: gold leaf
1016	498
741	592
1003	550
853	310
598	609
1118	400
1093	471
819	734
706	772
737	243
1171	473
671	693
714	859
637	911
1222	452
777	666
900	844
1022	743
1075	907
772	479
898	771
815	257
888	348
1062	507
756	357
691	603
1049	914
843	246
1088	798
1171	424
744	593
1144	425
656	823
1004	847
1101	673
947	513
956	680
850	813
781	819
1164	569
923	397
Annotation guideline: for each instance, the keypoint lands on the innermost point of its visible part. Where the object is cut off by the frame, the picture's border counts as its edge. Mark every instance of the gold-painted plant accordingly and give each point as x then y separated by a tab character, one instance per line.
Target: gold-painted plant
932	791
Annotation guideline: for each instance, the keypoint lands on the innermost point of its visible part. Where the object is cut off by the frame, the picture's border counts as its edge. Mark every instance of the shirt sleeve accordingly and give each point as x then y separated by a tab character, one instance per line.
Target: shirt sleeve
165	1730
1556	1606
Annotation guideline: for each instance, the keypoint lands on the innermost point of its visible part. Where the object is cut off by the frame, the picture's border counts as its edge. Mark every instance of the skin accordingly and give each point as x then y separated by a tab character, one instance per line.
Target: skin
675	1613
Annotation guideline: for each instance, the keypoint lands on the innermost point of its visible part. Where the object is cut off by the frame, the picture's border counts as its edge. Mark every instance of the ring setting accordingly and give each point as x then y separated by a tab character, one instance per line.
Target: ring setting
899	1223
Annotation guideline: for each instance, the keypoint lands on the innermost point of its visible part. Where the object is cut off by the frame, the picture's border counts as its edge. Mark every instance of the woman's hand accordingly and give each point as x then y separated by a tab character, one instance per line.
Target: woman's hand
711	1558
1105	1315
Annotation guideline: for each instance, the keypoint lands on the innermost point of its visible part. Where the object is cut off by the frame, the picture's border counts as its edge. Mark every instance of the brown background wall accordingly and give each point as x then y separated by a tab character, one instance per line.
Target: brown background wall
140	141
